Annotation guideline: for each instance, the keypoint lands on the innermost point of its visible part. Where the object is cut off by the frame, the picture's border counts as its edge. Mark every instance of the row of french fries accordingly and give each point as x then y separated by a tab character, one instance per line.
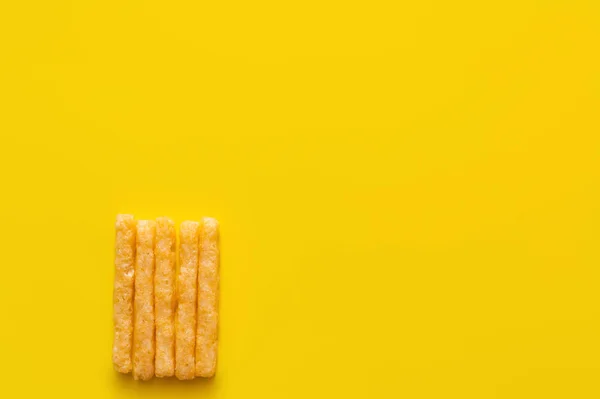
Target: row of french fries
165	320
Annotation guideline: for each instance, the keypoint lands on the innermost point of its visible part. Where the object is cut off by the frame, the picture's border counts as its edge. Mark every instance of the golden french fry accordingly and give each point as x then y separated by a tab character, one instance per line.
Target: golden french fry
123	292
208	299
164	297
143	327
185	334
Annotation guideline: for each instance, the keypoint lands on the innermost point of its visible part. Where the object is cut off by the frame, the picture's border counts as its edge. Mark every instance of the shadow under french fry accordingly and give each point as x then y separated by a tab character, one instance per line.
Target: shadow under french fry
171	385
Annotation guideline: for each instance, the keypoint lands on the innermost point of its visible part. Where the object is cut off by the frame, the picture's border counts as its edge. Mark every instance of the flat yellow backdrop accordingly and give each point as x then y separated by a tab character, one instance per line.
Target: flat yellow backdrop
408	191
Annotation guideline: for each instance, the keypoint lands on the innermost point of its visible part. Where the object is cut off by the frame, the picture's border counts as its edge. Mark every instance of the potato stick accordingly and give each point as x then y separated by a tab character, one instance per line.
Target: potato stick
208	299
164	297
123	292
143	328
185	336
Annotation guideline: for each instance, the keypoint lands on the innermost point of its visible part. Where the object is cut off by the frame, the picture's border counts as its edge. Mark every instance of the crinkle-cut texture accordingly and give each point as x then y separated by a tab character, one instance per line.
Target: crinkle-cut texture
164	297
123	292
208	299
185	335
143	328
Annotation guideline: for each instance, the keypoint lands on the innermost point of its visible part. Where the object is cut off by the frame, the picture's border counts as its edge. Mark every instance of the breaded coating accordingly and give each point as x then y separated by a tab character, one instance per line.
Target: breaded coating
143	328
123	292
208	299
164	297
185	335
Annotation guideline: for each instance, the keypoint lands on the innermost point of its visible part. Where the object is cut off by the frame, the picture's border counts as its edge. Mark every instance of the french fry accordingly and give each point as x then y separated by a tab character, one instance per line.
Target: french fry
208	299
123	292
164	297
185	334
143	327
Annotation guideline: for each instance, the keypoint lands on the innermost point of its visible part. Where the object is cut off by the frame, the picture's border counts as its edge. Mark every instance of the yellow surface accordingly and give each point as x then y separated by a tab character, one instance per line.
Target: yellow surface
408	192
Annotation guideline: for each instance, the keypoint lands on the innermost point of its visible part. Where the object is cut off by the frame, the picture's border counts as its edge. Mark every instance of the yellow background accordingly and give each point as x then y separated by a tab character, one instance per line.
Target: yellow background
408	191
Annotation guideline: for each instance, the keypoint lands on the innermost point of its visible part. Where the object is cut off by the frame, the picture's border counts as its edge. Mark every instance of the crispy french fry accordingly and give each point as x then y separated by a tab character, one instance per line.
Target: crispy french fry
143	328
164	297
123	292
185	334
208	299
